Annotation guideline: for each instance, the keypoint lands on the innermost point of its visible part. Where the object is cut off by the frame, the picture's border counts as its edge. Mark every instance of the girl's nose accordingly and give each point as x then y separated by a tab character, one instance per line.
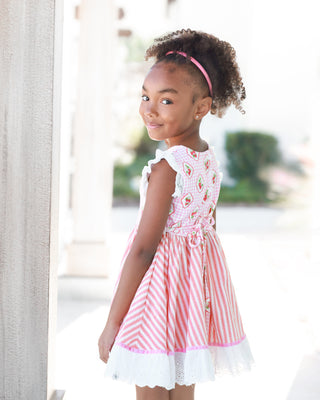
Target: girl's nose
150	110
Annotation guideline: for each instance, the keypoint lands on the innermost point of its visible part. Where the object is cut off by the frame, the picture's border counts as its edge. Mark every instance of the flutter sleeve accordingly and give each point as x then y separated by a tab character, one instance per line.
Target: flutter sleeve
169	157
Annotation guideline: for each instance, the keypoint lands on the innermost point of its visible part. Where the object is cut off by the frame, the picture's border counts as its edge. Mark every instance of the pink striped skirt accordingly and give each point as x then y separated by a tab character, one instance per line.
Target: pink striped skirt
183	325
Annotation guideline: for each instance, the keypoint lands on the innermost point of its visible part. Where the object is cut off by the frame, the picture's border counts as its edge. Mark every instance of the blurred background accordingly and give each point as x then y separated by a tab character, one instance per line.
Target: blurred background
268	215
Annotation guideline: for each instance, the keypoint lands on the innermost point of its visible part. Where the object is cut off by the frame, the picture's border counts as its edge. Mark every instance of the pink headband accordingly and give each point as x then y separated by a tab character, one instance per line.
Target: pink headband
196	63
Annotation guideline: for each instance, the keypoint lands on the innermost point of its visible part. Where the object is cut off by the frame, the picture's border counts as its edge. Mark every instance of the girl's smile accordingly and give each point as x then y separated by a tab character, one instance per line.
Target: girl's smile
167	107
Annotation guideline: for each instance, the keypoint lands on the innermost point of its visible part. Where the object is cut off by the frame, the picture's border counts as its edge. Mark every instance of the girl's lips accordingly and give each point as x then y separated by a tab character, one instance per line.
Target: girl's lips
153	126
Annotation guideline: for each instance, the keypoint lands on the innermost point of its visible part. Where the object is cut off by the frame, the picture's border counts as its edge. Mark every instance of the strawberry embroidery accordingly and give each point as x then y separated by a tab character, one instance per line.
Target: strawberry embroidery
206	196
187	200
200	183
214	177
211	208
194	213
188	170
206	164
193	154
171	211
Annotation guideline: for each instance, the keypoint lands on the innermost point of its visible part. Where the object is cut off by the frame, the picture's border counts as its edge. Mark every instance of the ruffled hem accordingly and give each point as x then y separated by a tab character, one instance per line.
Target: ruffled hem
183	368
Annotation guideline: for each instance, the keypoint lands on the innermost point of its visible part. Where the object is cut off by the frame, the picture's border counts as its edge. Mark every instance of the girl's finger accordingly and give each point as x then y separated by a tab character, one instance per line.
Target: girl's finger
104	354
106	358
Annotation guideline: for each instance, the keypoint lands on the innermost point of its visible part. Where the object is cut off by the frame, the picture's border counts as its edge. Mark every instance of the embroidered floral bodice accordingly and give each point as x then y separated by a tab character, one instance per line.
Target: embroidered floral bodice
197	186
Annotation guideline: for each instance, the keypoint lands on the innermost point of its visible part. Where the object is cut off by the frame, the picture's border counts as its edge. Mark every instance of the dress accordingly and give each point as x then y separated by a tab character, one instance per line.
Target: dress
183	325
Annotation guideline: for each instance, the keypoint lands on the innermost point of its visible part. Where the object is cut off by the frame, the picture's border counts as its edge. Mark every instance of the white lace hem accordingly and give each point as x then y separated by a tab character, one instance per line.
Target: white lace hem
183	368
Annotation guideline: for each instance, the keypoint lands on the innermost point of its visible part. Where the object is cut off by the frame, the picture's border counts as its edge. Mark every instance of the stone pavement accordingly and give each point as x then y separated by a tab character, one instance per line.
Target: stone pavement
276	278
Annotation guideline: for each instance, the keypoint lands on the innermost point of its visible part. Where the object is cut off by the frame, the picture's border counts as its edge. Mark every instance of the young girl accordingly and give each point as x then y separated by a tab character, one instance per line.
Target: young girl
174	319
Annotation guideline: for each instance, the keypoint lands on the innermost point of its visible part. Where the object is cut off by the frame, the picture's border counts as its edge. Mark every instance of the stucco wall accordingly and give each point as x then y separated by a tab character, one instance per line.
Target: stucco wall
30	33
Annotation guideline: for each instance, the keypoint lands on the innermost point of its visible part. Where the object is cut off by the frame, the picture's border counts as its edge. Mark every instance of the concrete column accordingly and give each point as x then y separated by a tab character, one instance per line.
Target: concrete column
92	141
30	37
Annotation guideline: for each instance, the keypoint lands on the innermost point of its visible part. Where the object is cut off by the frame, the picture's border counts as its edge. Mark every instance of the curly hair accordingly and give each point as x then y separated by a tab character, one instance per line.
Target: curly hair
216	56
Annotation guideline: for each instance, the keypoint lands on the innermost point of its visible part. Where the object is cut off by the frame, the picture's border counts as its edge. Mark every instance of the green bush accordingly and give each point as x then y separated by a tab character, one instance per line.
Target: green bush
146	146
249	152
244	192
121	182
124	174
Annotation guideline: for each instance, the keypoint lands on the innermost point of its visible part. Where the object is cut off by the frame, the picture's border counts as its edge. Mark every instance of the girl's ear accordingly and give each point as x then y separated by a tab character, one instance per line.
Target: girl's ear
203	107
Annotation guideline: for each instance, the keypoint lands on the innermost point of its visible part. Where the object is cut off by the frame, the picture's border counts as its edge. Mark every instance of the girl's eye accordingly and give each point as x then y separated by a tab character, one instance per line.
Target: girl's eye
144	97
166	101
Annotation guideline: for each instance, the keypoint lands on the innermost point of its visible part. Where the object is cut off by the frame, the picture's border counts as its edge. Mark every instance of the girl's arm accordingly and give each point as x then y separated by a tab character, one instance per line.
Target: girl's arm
154	217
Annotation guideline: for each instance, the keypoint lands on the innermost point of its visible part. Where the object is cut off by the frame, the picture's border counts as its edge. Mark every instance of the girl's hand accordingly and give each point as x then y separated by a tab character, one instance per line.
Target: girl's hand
106	340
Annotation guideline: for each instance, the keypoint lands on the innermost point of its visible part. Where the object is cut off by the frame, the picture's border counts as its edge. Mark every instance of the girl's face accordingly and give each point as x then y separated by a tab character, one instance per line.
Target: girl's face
167	106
